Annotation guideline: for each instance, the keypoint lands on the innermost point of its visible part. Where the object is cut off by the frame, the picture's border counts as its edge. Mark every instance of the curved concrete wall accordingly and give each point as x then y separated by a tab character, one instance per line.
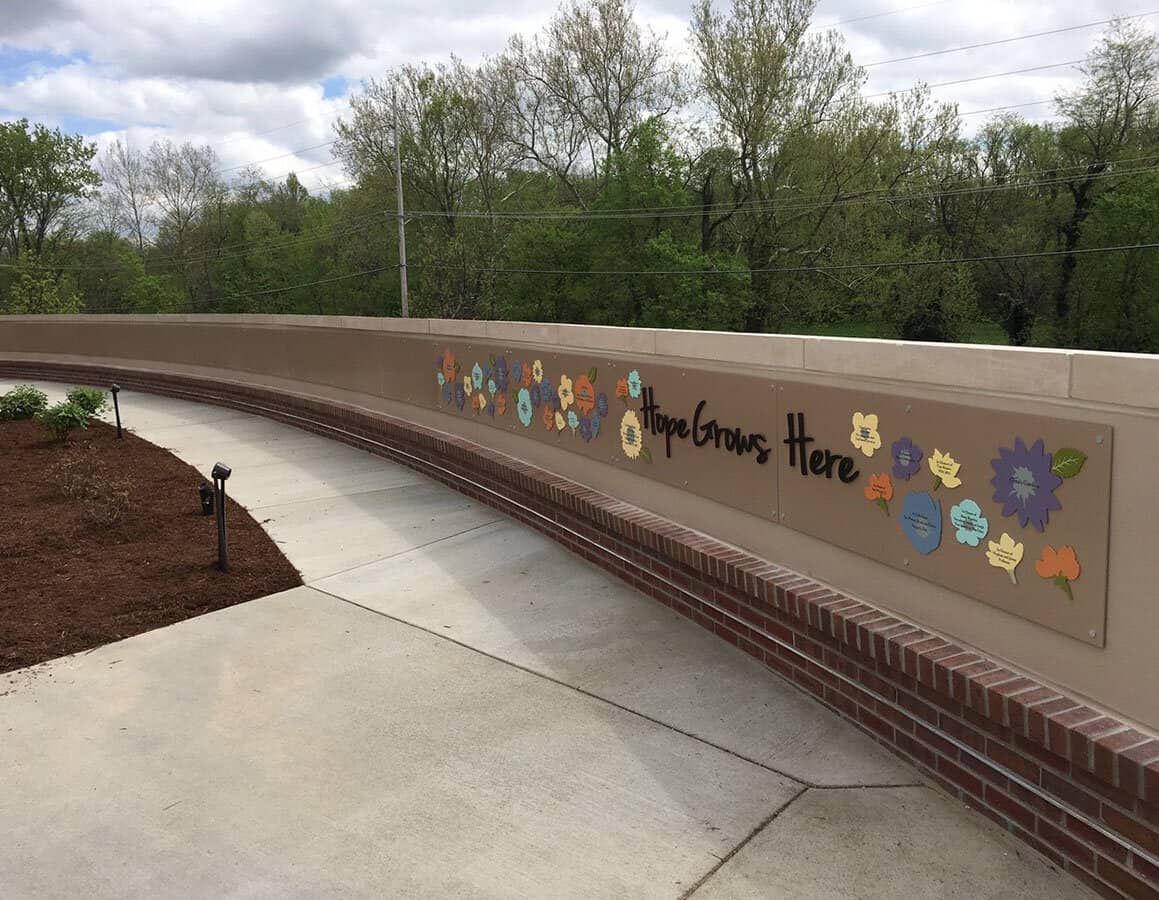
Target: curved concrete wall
350	360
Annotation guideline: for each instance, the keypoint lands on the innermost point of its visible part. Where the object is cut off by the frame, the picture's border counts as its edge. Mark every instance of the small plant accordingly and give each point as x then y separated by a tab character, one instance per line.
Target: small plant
106	500
73	474
91	400
22	402
62	418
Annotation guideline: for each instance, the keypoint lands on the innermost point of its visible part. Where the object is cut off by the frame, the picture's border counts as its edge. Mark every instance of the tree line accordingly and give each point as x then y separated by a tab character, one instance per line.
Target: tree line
587	174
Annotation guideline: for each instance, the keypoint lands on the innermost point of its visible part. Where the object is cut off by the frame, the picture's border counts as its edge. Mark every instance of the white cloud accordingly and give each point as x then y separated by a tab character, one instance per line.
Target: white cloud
247	77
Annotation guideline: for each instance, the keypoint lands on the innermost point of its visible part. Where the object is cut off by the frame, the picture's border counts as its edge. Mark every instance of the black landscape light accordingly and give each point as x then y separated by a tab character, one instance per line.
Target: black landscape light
116	389
221	473
206	494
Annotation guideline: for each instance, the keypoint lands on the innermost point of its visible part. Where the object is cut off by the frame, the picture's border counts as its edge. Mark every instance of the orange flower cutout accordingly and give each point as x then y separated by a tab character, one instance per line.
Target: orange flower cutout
622	388
501	404
548	417
585	395
527	373
449	366
1060	566
880	490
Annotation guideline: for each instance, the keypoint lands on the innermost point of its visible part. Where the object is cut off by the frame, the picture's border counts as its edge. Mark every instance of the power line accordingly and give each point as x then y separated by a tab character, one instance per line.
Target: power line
258	162
1073	62
892	12
978	112
995	43
844	267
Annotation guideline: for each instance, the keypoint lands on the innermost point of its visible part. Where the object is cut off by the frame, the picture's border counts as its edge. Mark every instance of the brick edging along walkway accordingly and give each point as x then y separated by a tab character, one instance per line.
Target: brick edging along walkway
1079	786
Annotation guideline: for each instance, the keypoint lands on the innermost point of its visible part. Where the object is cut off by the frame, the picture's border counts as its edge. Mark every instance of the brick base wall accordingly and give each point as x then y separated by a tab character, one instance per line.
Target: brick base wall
1076	784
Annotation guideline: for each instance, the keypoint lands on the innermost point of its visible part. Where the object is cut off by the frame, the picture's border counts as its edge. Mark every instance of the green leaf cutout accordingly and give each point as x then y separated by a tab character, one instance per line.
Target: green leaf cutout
458	368
592	372
1068	462
646	455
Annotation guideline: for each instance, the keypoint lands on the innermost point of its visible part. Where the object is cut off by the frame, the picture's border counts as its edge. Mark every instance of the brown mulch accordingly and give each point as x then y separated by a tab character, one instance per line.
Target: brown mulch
67	584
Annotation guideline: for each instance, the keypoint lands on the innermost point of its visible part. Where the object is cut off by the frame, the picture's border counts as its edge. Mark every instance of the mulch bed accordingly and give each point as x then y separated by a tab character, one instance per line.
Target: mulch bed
67	584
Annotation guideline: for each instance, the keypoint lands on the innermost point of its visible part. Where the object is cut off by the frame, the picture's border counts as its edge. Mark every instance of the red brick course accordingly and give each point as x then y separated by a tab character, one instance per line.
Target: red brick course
1073	782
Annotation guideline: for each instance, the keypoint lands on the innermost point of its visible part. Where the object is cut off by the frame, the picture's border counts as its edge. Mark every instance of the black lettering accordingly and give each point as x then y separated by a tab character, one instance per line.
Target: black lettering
649	410
798	441
845	470
696	438
817	462
682	431
762	450
731	438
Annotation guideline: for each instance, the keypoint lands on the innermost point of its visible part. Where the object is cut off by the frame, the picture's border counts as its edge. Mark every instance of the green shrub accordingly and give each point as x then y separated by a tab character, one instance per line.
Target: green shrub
62	418
91	400
73	474
22	402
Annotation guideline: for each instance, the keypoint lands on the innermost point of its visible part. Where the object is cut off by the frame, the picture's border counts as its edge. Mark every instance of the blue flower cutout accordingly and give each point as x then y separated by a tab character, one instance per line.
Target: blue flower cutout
447	393
585	429
547	391
602	403
517	371
596	420
921	520
971	524
492	387
572	420
500	374
477	376
523	407
460	396
1024	483
907	458
634	384
536	396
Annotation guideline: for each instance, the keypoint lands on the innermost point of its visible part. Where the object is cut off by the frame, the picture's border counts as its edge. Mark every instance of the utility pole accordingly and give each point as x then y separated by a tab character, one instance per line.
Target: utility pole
401	220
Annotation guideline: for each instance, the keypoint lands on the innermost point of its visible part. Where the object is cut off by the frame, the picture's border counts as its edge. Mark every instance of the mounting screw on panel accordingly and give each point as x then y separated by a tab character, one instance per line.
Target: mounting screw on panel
782	515
1092	634
905	562
1098	440
908	408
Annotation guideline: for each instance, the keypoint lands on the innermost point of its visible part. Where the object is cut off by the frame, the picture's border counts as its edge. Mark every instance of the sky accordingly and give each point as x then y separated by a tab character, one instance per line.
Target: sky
263	81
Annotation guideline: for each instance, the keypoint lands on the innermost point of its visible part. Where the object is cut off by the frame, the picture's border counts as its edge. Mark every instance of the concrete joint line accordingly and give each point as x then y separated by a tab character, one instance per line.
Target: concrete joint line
960	745
314	585
744	842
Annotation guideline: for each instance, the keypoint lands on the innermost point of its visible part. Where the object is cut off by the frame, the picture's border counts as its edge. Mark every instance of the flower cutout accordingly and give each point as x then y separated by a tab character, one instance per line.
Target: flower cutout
492	387
585	430
1060	566
880	490
500	404
1024	483
447	395
460	397
500	373
546	392
631	435
477	376
968	519
907	458
517	373
1005	553
622	389
566	395
450	367
635	385
585	395
441	379
945	469
537	371
468	385
921	520
548	418
523	407
534	397
597	421
602	404
480	401
560	422
572	420
865	437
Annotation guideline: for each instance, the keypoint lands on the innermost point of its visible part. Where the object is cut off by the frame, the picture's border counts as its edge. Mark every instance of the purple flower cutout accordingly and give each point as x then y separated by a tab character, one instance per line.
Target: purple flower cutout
602	404
447	393
536	397
907	458
596	419
500	374
585	429
1024	483
460	397
547	391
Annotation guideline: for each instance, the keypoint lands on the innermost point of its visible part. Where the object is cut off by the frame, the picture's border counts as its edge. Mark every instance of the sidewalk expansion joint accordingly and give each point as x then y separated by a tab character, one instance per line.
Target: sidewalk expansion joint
571	687
743	843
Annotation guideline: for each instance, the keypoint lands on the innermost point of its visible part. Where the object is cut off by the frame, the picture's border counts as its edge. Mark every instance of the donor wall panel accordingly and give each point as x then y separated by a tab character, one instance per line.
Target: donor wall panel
1009	509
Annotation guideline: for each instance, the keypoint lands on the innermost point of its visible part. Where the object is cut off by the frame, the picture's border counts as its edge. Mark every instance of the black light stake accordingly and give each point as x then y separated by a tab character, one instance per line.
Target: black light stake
221	473
115	389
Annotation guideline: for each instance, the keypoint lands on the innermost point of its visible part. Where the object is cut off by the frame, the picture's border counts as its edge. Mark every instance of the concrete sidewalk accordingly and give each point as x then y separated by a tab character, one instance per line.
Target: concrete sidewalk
452	706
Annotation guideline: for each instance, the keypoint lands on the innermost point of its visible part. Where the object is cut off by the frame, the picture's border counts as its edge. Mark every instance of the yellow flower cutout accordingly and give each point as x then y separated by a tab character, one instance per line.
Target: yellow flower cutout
560	422
945	469
631	435
566	397
865	437
481	401
1005	553
467	386
537	371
